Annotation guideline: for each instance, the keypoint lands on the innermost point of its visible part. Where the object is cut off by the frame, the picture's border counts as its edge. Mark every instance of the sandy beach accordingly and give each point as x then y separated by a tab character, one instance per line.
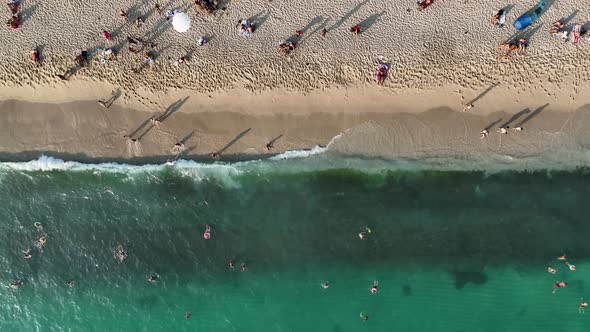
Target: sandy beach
236	94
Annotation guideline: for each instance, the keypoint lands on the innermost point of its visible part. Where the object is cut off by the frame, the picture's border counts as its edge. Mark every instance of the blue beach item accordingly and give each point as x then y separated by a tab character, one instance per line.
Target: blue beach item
530	16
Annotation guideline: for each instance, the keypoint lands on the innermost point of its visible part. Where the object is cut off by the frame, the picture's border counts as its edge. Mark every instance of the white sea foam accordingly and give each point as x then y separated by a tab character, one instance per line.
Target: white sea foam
306	153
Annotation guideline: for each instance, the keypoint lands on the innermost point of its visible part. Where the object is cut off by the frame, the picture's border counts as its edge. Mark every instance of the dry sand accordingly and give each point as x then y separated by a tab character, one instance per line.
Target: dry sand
441	59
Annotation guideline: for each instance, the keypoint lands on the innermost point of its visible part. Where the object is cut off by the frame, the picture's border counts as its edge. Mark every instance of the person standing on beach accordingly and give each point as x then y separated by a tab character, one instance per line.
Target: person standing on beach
356	30
468	107
484	134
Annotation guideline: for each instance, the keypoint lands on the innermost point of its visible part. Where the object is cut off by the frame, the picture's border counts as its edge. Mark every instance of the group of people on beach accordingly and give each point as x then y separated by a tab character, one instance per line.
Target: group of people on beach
562	284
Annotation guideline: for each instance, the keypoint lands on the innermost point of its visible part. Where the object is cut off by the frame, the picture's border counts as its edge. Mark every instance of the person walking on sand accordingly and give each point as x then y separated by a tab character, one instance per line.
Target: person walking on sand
106	35
158	9
484	134
468	107
178	147
499	19
109	102
374	288
558	285
503	130
356	30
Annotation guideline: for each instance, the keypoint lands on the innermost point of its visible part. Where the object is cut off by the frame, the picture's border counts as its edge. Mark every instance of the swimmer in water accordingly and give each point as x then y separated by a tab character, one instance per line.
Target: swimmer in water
38	226
27	254
232	264
187	315
70	283
559	284
561	258
363	316
41	242
120	253
572	267
374	288
244	267
325	285
363	234
582	307
551	270
154	278
207	233
15	284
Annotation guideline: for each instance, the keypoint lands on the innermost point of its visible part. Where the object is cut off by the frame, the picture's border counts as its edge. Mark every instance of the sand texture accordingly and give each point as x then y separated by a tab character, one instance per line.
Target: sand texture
441	59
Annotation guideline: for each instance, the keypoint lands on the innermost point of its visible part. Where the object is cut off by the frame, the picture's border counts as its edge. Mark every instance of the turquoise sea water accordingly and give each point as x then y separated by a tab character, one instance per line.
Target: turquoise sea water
452	250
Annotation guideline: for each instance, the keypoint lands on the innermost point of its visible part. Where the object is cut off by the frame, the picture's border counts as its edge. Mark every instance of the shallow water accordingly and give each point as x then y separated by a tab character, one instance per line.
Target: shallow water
452	250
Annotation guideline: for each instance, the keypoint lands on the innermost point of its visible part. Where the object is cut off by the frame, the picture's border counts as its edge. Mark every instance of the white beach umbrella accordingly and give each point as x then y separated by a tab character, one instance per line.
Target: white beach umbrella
181	22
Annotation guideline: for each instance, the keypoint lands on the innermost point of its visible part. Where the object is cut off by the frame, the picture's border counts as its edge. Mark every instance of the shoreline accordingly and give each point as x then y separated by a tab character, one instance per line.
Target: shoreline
84	131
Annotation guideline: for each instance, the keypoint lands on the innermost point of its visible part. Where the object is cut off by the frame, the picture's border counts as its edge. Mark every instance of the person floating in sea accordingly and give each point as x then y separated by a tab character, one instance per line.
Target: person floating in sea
27	254
551	270
15	284
38	226
561	258
41	242
207	233
244	267
70	283
120	253
232	264
325	285
582	306
374	288
363	234
154	278
559	284
363	316
187	315
572	267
